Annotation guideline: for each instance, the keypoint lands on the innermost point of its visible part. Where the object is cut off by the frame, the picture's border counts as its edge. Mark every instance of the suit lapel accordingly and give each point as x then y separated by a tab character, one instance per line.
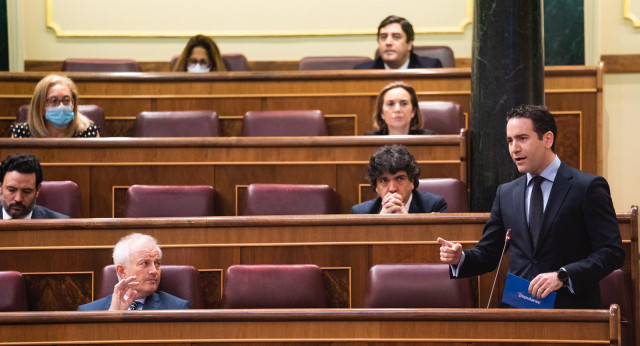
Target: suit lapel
106	303
416	204
519	196
37	213
377	206
152	302
559	189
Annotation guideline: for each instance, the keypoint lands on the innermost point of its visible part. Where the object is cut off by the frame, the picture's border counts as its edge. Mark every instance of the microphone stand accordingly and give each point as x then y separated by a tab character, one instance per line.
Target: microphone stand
507	237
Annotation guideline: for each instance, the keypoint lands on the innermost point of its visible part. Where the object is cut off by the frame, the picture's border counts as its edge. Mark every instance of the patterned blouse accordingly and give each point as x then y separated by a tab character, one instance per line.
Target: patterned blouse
22	131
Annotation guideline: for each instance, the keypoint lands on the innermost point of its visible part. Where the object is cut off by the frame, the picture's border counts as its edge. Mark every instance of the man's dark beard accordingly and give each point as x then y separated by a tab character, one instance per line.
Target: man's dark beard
27	210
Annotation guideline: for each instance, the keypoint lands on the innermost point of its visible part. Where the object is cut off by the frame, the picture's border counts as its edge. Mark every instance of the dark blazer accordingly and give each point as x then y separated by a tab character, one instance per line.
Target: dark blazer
422	202
579	232
43	213
415	61
411	132
157	301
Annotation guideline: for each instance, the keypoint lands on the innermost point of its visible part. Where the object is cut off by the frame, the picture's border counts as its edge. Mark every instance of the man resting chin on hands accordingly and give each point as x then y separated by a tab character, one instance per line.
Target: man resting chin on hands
394	174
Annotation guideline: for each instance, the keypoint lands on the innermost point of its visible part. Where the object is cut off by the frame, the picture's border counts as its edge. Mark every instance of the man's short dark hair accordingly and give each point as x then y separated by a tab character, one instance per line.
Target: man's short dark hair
541	118
392	158
404	23
21	163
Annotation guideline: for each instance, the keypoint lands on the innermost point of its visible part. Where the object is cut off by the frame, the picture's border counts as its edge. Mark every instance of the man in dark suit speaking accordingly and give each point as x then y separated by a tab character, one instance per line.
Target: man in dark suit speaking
395	46
565	234
20	181
137	259
394	174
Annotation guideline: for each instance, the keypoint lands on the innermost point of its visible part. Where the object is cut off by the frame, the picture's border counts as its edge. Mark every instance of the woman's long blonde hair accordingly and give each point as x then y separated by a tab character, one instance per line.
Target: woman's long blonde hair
36	120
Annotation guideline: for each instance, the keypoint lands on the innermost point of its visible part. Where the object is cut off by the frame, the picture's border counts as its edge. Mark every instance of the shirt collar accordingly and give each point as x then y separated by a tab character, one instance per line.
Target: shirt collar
548	173
403	67
408	204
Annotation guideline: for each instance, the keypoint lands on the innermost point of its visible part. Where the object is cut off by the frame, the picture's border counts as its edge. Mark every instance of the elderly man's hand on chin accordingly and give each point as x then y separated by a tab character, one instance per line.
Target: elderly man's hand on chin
124	294
393	203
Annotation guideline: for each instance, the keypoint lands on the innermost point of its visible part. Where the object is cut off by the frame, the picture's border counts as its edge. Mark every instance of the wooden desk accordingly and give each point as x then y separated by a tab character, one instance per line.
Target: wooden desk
104	168
572	93
404	326
61	258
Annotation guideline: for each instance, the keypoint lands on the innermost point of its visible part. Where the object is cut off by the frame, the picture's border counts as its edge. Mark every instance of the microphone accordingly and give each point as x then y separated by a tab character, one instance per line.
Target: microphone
507	237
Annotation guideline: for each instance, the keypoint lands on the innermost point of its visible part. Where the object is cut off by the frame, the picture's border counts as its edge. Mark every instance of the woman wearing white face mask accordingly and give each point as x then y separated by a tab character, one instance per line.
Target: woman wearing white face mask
54	112
200	54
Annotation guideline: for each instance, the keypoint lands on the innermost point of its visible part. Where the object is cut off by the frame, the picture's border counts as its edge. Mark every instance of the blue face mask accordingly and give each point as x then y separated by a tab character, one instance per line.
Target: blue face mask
59	116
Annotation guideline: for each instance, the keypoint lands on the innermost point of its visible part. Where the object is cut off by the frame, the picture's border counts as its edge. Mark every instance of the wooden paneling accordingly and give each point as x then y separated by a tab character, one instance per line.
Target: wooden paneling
338	286
164	66
569	150
315	326
345	246
99	166
568	89
58	291
211	286
621	63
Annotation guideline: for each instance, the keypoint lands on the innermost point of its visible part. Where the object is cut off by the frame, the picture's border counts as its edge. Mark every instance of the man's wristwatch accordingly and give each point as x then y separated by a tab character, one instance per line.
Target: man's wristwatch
564	277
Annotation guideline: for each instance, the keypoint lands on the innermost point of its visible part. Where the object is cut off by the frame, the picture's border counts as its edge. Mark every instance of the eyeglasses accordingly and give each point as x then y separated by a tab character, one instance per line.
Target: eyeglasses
194	61
55	102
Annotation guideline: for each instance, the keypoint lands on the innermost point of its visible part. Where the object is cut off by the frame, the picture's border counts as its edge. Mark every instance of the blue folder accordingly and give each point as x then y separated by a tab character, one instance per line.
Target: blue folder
516	294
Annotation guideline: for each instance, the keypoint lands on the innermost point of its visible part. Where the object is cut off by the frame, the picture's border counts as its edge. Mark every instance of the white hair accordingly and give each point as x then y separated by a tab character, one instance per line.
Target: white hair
122	250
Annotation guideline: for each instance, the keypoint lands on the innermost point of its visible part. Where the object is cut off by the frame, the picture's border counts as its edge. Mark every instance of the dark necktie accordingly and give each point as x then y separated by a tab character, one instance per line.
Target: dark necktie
536	208
134	305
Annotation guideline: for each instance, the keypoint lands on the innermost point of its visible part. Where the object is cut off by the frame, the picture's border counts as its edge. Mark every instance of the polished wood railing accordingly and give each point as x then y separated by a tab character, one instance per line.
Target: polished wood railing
61	258
399	326
572	93
104	168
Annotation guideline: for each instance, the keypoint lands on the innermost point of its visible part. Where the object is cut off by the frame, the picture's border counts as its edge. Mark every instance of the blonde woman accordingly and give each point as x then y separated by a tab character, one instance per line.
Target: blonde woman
54	112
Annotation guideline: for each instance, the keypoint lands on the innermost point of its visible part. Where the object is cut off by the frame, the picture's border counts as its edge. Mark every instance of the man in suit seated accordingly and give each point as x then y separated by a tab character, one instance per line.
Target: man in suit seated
395	41
20	181
564	232
394	174
137	259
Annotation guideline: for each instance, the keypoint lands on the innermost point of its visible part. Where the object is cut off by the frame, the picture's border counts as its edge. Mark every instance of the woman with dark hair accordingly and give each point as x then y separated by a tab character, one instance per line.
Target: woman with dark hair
397	112
201	54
